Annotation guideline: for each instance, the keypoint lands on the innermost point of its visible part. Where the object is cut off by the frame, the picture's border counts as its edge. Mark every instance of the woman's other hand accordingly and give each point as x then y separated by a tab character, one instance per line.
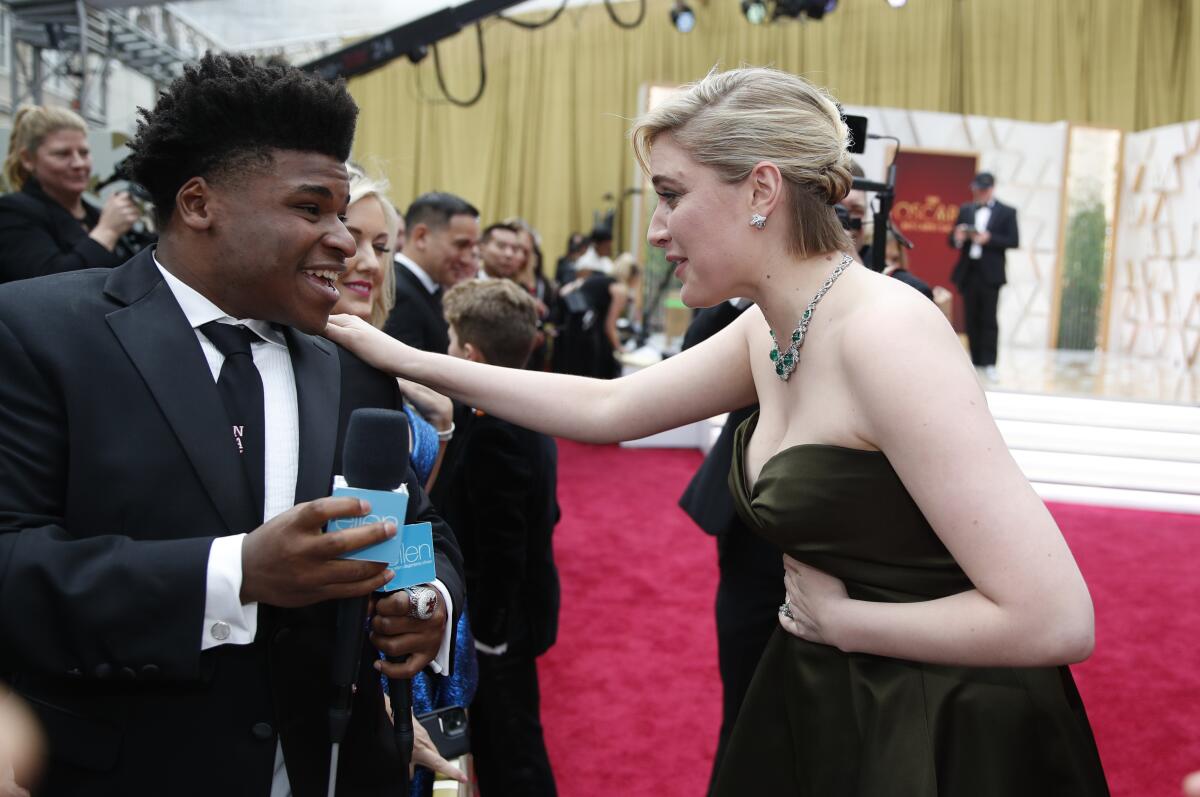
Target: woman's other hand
426	754
431	405
116	217
810	594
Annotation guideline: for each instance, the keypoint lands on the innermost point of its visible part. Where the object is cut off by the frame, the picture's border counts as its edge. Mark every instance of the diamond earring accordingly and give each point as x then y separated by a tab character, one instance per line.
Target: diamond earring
758	221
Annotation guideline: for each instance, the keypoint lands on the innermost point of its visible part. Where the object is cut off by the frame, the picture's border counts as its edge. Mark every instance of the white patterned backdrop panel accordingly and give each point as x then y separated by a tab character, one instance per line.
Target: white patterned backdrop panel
1027	159
1155	310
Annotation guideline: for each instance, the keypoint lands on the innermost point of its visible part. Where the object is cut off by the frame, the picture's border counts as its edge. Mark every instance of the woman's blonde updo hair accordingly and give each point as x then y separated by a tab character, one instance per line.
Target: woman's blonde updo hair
362	186
30	127
731	121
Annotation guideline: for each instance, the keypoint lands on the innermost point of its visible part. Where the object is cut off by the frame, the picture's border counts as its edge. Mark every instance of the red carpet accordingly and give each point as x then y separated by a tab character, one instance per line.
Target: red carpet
631	695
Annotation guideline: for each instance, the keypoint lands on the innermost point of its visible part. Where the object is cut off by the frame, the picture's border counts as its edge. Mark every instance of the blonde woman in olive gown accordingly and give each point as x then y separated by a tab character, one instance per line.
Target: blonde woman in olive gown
932	604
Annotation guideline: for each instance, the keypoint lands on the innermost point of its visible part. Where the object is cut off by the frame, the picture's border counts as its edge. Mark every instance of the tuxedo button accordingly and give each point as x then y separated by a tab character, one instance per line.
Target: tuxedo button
282	634
220	630
262	731
149	670
103	670
127	673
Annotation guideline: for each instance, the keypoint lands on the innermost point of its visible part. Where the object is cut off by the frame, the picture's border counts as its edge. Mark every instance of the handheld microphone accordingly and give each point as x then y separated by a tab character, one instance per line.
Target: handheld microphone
374	457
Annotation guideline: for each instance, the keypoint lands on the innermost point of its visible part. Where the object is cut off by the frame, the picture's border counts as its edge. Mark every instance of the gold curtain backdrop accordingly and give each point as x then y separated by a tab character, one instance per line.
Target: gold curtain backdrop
548	138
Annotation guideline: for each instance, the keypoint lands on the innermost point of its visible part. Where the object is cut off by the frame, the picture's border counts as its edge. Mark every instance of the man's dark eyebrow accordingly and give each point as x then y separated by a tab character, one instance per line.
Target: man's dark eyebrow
319	190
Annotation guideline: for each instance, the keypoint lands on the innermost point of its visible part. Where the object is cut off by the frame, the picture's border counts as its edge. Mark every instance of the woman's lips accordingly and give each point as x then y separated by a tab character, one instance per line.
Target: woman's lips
359	288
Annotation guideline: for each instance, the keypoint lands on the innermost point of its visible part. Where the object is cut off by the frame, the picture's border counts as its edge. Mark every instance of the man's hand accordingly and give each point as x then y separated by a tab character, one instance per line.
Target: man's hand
960	234
396	634
982	238
289	561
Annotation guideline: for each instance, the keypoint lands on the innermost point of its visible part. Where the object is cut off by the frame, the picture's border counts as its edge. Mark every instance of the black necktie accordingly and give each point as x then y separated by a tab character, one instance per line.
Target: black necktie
241	391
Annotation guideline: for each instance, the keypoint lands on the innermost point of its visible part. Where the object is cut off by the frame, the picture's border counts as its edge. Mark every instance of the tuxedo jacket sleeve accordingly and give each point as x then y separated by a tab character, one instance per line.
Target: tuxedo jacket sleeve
67	596
501	480
1002	228
38	236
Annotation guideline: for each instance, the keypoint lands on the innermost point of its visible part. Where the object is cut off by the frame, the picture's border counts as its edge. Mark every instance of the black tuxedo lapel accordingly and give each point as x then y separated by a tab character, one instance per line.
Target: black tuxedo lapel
162	345
318	393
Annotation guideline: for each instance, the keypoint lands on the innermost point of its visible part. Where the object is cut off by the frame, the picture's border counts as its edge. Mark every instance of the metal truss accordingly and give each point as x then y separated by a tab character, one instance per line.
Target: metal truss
85	41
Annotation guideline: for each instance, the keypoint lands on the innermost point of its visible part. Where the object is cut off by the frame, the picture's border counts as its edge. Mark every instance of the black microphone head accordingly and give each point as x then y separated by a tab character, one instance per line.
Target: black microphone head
375	453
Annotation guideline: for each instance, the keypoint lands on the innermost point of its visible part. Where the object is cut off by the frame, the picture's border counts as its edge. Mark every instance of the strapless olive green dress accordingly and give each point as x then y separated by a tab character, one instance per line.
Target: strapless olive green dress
817	722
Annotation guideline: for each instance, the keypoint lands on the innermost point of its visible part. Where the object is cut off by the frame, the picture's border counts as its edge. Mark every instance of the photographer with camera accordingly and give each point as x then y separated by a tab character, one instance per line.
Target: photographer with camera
46	227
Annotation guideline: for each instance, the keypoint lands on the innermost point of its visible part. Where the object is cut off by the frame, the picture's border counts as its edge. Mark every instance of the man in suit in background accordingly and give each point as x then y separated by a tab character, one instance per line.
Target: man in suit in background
169	433
503	505
440	250
751	569
984	231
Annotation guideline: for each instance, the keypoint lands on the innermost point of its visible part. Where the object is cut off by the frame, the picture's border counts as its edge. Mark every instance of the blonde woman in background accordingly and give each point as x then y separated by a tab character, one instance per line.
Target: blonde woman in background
931	604
46	227
543	289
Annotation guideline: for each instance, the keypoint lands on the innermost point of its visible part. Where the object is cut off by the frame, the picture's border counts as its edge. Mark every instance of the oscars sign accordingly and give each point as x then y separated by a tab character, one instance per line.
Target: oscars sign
930	186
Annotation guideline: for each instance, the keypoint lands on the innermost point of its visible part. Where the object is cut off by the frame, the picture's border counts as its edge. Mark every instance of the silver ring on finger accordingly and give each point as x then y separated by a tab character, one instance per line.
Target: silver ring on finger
422	602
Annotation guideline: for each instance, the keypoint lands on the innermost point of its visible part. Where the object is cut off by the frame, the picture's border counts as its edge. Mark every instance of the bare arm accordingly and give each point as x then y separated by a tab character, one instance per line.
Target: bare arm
923	407
708	379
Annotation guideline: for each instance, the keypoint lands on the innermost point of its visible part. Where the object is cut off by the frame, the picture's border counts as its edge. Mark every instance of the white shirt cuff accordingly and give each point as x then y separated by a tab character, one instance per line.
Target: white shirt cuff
226	620
441	664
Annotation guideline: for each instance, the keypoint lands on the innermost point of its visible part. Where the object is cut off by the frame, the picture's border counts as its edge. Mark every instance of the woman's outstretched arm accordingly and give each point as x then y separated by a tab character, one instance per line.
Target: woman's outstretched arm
703	381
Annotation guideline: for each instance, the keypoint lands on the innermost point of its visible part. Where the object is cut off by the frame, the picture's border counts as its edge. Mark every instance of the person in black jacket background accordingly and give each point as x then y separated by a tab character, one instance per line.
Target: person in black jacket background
984	230
46	227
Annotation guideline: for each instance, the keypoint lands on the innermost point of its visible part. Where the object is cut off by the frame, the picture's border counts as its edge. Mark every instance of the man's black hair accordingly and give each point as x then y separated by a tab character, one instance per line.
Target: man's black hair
229	112
435	210
491	228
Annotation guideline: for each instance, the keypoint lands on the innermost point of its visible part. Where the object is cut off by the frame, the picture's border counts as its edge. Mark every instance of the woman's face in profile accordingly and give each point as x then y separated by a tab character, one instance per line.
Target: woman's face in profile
62	163
699	221
359	284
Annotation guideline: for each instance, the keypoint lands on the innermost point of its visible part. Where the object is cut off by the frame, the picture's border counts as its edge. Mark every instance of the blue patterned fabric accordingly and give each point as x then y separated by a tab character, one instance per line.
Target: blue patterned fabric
424	444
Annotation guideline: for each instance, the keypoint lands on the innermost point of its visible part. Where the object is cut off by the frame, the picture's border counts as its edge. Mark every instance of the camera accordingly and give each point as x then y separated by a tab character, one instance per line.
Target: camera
849	224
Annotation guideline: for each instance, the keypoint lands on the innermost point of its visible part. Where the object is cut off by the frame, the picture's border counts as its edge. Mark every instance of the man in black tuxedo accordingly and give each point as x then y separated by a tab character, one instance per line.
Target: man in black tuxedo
503	504
440	250
751	569
169	432
984	230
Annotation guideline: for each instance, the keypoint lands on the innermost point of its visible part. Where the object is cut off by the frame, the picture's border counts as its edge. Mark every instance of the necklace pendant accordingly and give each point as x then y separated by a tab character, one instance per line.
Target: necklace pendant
785	361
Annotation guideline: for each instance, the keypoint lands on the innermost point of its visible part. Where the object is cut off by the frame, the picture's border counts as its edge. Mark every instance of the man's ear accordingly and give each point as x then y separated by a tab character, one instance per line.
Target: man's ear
417	236
766	186
473	353
194	204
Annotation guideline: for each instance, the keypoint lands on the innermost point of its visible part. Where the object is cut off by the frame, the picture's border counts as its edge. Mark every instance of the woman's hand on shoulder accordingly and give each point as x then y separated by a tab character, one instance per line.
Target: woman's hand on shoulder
371	345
